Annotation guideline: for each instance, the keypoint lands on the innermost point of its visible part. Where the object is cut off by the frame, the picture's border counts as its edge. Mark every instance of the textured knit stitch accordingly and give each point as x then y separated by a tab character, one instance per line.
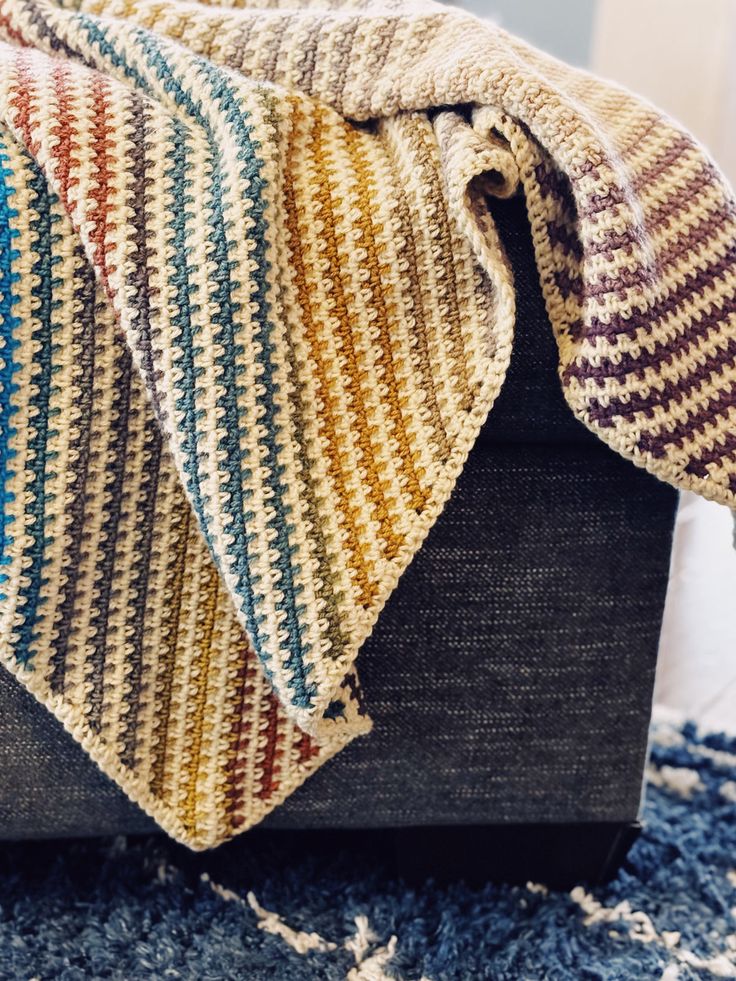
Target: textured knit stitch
254	312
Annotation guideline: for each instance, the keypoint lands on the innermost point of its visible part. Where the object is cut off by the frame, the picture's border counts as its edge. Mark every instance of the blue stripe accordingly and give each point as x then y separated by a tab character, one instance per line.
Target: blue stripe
9	324
36	555
303	691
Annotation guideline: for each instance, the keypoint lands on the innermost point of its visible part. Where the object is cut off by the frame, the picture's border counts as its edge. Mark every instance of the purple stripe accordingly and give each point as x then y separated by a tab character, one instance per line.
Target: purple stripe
564	237
721	451
76	509
554	184
672	207
673	154
680	199
568	284
684	243
695	284
664	351
627	406
608	201
656	443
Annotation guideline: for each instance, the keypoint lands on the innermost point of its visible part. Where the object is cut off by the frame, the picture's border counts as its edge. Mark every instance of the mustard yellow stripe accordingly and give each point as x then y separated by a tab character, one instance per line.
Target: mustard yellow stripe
363	570
197	695
369	226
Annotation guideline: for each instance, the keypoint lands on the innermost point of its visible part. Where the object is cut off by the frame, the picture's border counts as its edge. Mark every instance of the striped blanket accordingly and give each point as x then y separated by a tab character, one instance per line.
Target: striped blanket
253	314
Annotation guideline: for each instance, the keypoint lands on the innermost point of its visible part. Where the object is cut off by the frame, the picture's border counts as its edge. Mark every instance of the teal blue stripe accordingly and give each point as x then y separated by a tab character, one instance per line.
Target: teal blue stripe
35	554
303	692
184	307
9	324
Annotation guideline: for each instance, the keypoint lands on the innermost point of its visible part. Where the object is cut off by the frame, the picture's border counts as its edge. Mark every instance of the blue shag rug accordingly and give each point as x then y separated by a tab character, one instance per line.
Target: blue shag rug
143	908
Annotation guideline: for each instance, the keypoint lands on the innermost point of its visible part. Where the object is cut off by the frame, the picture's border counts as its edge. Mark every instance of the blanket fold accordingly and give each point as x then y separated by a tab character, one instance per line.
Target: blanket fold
254	312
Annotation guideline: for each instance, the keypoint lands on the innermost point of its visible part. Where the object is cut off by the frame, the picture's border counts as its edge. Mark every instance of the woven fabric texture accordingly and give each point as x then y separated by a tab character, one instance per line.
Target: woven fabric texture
254	315
509	676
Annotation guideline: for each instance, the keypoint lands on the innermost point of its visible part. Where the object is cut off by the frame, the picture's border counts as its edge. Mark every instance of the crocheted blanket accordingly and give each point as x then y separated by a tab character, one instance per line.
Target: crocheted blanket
254	313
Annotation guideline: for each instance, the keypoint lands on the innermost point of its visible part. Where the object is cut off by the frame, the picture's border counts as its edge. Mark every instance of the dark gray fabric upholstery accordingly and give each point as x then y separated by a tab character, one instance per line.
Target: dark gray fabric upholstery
531	407
510	675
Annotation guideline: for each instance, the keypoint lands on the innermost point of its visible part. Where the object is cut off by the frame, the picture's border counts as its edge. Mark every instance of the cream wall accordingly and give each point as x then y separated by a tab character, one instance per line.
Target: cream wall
680	54
561	27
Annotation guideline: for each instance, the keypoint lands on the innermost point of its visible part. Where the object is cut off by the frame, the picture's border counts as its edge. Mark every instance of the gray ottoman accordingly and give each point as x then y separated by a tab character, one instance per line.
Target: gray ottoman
509	677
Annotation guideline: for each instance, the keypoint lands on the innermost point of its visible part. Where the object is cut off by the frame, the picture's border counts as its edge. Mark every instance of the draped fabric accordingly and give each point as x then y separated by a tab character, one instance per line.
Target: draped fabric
254	312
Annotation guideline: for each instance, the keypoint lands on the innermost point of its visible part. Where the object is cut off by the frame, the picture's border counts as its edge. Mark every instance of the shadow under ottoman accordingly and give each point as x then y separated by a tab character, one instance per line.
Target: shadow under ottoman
509	677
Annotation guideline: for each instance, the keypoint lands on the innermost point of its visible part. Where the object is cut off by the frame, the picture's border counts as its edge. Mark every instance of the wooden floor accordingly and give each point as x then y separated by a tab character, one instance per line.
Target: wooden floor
697	663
